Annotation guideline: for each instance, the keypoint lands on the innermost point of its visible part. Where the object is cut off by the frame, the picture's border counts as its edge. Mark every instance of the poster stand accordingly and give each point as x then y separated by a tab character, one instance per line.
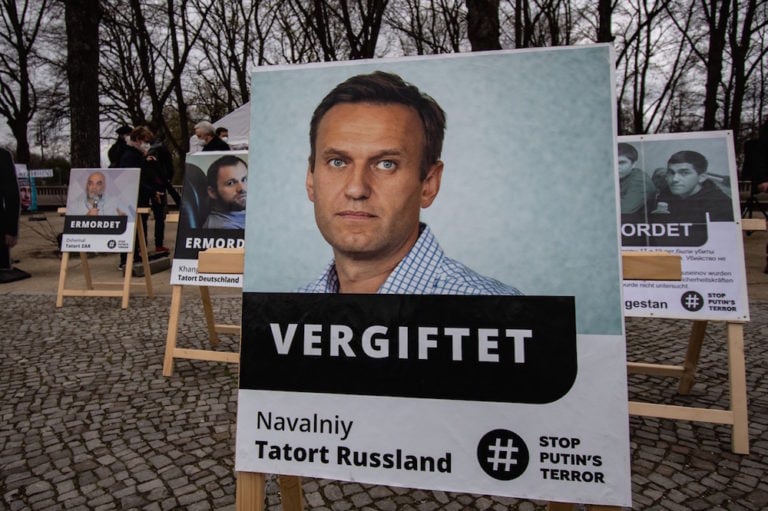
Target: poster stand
250	491
171	349
125	291
736	414
209	261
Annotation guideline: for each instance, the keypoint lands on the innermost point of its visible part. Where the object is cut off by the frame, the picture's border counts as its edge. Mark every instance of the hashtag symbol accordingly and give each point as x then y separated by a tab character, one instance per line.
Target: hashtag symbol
692	301
502	454
501	457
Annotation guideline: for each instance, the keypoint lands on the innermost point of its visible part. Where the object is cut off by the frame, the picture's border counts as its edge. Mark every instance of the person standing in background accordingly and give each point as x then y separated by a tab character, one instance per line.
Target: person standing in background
223	134
164	175
151	186
118	148
9	209
636	188
205	132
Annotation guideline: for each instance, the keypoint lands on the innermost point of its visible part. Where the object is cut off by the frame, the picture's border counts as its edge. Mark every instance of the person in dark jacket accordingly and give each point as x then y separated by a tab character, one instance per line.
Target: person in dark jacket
9	209
118	148
691	195
164	174
205	132
151	185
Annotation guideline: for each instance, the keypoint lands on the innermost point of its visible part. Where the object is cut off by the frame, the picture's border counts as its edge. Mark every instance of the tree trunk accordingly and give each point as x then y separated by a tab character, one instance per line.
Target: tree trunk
718	21
82	20
483	24
604	12
19	130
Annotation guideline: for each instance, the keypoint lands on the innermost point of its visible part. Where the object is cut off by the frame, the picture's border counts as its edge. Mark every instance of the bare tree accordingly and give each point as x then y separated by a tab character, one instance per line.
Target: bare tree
605	14
22	24
708	46
165	36
234	41
651	59
342	29
428	27
483	24
749	21
123	94
82	20
716	13
539	22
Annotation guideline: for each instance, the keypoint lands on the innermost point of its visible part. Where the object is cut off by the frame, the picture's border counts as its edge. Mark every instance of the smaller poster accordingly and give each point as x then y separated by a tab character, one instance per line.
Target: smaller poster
101	210
212	214
25	186
678	195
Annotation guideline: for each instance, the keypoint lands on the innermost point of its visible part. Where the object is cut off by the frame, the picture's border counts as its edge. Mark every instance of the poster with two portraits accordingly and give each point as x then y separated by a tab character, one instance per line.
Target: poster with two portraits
520	396
679	195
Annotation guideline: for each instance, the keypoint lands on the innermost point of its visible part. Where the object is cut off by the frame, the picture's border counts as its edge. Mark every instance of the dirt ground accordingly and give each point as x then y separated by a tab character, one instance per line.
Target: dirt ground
37	254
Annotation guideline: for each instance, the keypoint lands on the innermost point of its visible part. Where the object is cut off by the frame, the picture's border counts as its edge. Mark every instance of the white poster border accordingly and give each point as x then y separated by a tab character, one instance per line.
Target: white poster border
665	300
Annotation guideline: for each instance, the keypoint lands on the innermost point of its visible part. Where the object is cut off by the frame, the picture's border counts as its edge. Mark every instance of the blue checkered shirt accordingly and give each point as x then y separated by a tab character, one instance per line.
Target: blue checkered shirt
425	270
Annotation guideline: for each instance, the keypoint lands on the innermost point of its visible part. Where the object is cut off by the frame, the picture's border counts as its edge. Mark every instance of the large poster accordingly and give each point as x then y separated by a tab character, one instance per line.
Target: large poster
679	195
519	392
212	214
101	210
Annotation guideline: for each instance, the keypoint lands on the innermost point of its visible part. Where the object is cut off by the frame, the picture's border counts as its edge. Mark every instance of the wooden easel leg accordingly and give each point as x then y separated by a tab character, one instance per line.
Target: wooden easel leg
127	280
738	385
692	355
560	506
86	270
250	492
173	331
291	494
144	257
62	279
210	322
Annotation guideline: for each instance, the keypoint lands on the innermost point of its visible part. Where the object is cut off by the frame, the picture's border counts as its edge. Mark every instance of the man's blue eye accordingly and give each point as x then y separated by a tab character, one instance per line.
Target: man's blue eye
386	165
336	162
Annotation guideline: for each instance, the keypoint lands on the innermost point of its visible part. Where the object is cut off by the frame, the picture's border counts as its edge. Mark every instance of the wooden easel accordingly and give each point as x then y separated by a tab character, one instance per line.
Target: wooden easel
209	261
250	492
90	290
736	414
635	266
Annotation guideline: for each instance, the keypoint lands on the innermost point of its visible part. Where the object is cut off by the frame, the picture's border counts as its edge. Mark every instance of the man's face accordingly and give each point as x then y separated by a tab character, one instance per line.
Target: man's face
625	166
683	180
231	187
205	137
25	196
365	185
95	186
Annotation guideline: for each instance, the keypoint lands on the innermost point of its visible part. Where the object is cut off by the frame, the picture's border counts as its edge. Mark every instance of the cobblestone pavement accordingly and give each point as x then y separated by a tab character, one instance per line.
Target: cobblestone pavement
88	422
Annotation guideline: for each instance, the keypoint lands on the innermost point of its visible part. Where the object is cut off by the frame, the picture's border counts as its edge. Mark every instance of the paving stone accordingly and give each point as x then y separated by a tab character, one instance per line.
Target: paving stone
113	433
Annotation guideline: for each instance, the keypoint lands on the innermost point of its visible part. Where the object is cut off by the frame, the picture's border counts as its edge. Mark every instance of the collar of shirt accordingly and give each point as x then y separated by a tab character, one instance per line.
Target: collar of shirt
412	275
